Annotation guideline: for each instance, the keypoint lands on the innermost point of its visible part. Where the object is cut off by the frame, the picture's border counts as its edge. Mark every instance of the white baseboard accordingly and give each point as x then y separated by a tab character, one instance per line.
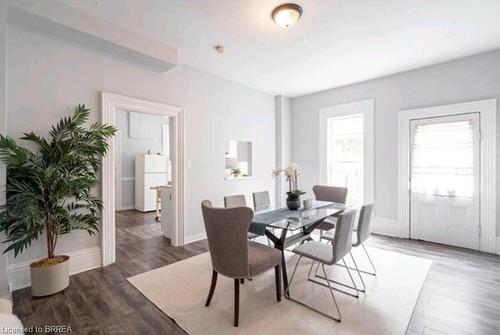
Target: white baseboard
125	208
80	261
7	297
498	245
194	238
385	226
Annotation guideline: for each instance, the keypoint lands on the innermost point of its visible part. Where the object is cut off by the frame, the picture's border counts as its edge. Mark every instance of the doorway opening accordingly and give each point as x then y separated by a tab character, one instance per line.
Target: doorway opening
143	175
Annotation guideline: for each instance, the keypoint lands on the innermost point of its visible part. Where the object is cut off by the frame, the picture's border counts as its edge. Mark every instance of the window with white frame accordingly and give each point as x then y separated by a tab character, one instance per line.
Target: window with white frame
345	138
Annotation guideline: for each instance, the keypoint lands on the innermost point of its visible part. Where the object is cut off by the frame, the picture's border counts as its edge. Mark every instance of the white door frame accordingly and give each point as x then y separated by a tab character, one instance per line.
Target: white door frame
110	102
118	174
367	108
487	120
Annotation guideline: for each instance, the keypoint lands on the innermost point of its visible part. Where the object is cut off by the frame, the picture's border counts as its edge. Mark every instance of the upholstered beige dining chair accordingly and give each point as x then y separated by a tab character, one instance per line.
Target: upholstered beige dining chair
261	201
332	194
232	254
238	200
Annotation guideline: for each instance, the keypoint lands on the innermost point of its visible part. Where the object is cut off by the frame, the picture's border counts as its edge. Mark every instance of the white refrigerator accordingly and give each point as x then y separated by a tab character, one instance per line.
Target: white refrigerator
150	171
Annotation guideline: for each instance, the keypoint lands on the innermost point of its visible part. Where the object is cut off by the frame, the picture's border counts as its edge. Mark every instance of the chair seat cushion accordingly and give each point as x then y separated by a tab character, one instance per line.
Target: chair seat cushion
317	251
327	224
261	258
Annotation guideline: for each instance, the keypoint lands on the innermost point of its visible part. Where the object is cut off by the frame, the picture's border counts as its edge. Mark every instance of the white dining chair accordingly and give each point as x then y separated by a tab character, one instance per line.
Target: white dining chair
326	254
261	201
362	233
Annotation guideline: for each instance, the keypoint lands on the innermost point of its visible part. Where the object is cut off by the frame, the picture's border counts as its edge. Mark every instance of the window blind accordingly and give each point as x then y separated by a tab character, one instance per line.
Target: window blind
443	159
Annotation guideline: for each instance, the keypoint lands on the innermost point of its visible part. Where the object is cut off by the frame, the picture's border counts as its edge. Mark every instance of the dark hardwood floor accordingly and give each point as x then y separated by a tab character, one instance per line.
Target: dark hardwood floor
461	294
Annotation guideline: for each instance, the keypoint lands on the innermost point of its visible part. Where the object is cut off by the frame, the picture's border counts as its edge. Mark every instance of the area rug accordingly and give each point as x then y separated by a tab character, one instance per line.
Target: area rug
180	290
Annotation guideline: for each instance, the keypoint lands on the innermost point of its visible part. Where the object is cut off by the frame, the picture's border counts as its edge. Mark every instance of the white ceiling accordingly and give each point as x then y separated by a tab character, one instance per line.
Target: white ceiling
335	43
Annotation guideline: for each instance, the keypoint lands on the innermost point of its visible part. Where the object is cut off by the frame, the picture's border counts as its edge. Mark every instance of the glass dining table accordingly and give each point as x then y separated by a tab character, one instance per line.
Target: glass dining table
285	227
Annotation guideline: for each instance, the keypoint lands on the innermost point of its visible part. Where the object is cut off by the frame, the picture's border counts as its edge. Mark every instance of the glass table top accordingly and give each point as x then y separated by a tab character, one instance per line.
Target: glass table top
303	218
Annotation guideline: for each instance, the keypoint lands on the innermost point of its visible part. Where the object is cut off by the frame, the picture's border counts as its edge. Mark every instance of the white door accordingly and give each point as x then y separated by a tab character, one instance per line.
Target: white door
445	180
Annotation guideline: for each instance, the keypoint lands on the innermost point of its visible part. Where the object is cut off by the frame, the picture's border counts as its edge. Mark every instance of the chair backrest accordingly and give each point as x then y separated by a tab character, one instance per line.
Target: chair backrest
342	241
237	200
227	230
330	193
364	222
261	201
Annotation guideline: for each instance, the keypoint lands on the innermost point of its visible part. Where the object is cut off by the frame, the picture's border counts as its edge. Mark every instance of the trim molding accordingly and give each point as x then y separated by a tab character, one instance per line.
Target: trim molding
194	238
126	208
87	29
110	103
487	110
498	245
80	261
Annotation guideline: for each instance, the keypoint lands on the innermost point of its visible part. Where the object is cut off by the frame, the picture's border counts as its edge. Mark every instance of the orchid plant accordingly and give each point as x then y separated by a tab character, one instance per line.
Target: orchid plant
291	173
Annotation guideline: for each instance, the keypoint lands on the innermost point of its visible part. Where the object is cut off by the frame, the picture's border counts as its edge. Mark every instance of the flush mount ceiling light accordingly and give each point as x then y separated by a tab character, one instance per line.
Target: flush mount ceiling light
287	14
219	48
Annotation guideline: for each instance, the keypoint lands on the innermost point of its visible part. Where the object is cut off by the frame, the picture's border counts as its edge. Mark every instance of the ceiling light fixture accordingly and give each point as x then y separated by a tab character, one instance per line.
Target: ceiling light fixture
219	48
287	14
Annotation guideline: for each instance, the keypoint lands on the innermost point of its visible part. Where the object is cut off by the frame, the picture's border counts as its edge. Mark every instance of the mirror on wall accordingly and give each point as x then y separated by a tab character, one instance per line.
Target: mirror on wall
238	157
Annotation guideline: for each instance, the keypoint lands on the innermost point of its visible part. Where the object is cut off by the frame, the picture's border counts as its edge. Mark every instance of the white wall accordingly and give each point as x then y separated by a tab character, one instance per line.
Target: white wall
283	143
48	77
468	79
131	147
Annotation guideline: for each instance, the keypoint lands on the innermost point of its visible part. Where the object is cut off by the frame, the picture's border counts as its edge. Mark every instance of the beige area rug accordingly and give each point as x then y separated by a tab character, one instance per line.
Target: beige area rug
180	290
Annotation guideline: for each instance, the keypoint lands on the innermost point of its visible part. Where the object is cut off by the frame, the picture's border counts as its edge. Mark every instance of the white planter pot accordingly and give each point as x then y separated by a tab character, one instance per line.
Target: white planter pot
50	279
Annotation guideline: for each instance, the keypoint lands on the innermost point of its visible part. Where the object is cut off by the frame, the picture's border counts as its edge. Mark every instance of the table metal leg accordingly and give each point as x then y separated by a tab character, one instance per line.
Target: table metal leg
284	272
279	243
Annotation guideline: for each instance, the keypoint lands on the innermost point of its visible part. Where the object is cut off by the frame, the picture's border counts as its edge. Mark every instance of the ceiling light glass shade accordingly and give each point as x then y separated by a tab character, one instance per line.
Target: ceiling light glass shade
286	15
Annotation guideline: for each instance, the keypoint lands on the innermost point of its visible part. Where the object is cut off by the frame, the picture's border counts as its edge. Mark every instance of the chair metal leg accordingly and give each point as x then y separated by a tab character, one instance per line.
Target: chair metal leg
359	274
350	276
307	306
374	273
310	269
287	289
316	271
331	293
353	287
212	288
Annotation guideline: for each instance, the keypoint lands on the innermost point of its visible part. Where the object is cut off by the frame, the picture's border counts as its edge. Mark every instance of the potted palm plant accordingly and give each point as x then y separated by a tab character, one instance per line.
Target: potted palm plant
293	195
49	192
